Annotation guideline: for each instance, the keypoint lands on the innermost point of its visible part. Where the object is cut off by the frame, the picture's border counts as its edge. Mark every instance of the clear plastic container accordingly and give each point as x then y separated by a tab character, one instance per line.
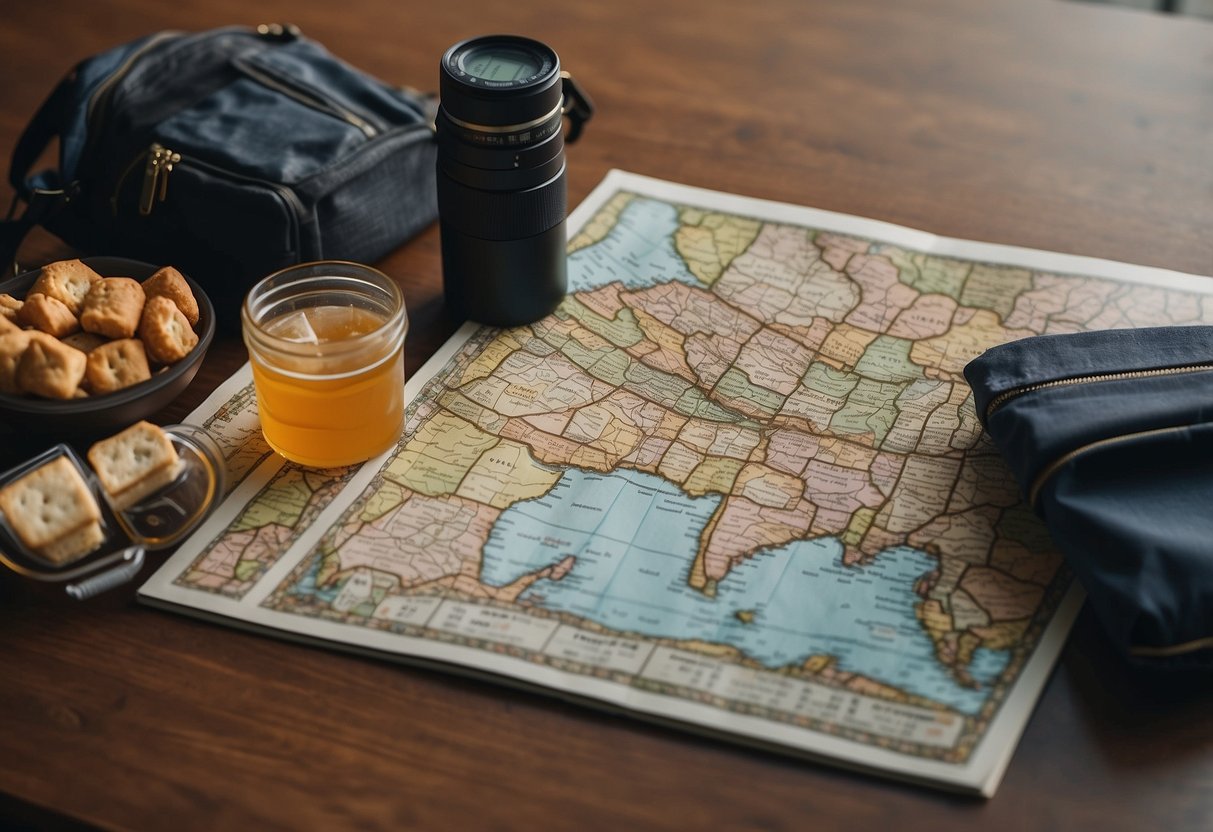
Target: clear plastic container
161	519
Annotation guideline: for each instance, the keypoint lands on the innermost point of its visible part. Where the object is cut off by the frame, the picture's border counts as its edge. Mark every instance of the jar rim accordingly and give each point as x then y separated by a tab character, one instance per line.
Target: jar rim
392	329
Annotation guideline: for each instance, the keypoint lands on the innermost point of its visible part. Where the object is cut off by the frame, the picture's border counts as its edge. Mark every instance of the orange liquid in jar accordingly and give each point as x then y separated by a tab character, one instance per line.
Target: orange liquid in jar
350	410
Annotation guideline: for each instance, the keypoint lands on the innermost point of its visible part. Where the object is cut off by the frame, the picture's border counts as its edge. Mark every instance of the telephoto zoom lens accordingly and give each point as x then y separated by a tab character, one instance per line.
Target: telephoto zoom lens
502	199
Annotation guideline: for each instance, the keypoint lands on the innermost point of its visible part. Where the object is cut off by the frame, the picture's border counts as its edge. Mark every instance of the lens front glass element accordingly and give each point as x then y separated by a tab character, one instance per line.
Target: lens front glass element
499	63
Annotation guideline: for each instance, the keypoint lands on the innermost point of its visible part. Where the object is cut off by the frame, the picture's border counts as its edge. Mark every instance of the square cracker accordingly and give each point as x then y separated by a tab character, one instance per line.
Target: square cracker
12	347
67	281
85	341
48	314
48	504
116	364
9	306
170	283
134	463
112	307
165	331
50	368
73	545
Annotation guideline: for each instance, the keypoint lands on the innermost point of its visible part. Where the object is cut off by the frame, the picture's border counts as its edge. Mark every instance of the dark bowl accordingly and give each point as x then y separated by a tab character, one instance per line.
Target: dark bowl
96	416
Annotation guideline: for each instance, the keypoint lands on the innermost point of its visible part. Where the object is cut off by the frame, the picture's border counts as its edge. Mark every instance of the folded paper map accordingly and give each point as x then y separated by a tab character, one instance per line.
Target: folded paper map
735	482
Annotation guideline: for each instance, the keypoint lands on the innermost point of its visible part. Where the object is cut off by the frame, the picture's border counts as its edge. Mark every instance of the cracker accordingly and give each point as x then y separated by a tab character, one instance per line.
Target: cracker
134	463
48	314
50	368
67	281
170	283
112	307
12	347
48	504
115	365
73	545
9	306
85	341
166	333
7	325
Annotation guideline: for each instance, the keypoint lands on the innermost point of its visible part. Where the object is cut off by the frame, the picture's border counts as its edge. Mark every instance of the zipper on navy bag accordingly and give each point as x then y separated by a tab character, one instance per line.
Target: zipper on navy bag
97	110
1006	396
1047	473
1056	465
98	104
310	99
159	162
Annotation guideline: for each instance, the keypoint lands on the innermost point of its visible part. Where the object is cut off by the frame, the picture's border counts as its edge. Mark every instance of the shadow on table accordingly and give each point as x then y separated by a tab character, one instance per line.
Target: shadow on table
1129	707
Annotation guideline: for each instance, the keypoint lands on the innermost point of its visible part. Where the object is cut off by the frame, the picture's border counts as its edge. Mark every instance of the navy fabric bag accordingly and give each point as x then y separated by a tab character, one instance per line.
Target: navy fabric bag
229	153
1110	436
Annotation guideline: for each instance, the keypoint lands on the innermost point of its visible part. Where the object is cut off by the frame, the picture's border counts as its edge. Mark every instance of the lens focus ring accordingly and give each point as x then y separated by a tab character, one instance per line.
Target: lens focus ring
502	215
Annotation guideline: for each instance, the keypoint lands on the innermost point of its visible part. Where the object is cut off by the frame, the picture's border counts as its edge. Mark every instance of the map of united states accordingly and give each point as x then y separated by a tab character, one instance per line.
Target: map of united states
747	439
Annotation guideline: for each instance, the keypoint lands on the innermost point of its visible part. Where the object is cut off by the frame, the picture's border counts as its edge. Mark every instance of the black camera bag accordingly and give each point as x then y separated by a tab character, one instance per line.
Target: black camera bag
228	153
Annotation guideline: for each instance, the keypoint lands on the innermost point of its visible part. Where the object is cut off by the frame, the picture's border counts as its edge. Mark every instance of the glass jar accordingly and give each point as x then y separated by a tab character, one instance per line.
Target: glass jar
326	345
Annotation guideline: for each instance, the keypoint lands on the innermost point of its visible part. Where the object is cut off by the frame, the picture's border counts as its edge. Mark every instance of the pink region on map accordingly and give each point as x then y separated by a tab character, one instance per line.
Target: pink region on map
773	361
422	540
840	489
553	423
219	567
928	317
711	356
1003	597
743	527
790	450
648	455
689	310
603	301
885	470
884	295
781	277
839	247
545	446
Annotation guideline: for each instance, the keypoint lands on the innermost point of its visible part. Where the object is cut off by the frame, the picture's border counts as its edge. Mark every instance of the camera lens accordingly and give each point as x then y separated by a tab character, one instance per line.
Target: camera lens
502	198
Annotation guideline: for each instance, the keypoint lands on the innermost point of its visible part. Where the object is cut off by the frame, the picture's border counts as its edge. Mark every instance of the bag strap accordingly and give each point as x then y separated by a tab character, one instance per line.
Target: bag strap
41	203
48	123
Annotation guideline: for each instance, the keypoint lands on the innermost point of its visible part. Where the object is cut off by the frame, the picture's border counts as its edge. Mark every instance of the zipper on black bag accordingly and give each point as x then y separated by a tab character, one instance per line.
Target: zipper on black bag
1056	465
314	100
97	111
159	162
1015	392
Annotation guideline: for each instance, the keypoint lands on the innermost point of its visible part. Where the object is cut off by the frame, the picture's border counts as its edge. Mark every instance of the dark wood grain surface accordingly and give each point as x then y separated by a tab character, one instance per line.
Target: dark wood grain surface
1036	123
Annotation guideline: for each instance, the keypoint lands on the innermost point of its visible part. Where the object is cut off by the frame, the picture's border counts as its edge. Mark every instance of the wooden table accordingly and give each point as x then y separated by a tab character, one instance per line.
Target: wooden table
1037	123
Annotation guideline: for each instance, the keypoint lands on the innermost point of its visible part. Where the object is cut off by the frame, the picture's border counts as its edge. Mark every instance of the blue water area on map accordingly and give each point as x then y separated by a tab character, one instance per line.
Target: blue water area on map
638	251
306	587
634	536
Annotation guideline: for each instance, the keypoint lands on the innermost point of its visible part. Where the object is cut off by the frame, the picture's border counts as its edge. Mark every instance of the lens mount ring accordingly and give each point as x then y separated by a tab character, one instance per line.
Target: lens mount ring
507	128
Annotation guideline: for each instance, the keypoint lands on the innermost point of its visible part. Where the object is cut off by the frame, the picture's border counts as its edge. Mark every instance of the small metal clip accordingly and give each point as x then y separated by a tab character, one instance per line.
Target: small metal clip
577	106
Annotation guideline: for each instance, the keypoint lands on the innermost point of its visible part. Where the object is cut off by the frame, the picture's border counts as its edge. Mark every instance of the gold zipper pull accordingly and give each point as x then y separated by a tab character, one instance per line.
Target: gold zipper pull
160	162
151	172
165	170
